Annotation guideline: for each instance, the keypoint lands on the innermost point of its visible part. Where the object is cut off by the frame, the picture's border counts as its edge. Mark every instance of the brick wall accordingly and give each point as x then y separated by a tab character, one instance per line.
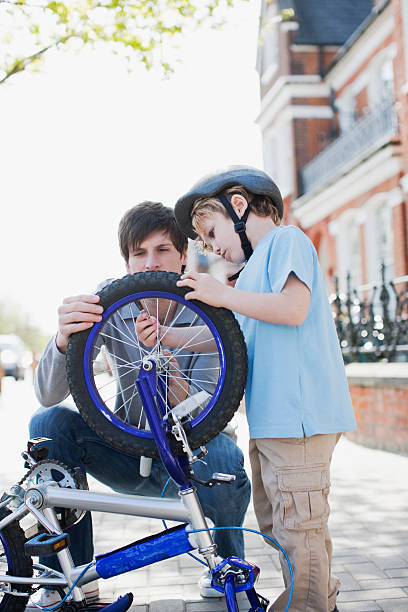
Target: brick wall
314	61
311	136
379	393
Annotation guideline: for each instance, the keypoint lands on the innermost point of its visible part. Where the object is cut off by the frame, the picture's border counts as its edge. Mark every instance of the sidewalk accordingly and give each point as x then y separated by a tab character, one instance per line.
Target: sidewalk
369	526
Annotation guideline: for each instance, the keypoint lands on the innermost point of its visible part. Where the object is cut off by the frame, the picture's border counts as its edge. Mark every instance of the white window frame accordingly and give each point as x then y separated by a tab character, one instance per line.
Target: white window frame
373	254
342	228
278	156
347	109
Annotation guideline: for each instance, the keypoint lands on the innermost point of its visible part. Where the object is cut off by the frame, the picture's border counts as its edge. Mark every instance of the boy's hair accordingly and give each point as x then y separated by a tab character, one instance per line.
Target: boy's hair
263	206
145	218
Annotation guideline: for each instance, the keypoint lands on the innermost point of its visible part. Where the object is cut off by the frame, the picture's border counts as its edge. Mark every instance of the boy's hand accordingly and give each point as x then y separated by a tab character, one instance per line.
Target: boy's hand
76	313
147	329
205	288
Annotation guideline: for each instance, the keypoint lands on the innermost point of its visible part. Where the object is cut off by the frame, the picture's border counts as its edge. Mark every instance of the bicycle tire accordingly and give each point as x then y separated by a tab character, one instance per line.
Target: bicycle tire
13	556
122	293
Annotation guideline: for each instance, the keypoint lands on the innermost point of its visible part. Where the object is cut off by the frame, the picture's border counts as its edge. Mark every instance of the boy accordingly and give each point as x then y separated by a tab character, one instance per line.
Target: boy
149	240
297	399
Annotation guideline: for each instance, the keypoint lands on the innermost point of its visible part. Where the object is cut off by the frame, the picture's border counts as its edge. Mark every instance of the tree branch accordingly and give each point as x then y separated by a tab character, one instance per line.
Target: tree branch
21	64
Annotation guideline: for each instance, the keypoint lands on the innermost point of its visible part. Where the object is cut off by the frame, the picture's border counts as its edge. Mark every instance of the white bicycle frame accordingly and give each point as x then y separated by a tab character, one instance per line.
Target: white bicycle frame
41	501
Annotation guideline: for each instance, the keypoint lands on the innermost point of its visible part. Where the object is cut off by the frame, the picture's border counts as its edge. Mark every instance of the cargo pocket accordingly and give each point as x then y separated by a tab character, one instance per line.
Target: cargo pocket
304	493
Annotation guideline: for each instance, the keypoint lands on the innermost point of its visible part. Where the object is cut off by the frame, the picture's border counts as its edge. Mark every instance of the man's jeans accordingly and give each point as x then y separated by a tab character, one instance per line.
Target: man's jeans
76	445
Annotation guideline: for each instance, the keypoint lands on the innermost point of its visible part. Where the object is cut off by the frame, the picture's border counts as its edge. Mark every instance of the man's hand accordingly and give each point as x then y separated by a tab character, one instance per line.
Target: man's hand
76	313
205	288
147	328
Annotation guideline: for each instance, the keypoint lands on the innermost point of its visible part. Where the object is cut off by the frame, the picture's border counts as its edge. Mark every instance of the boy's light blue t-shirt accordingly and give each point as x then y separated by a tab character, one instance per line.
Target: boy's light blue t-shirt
296	380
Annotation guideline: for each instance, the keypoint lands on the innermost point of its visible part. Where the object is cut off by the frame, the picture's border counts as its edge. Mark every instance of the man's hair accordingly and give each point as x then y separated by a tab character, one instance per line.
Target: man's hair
263	206
144	219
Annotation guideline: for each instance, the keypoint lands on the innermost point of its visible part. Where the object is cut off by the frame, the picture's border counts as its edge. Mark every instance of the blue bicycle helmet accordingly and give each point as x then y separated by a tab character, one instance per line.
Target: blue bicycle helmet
214	184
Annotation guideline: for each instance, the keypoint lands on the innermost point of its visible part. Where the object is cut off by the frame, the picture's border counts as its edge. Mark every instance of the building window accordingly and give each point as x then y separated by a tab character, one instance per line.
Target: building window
347	113
381	84
348	248
379	240
278	157
354	258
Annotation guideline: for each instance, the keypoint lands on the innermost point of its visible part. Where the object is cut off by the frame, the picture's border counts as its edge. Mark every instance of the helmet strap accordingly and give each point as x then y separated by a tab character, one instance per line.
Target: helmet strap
235	276
239	224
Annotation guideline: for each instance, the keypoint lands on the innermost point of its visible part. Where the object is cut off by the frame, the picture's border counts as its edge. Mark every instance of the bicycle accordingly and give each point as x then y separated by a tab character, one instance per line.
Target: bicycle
161	403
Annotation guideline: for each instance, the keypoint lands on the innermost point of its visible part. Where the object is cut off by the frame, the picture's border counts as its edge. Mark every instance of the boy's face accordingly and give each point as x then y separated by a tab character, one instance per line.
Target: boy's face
156	252
218	232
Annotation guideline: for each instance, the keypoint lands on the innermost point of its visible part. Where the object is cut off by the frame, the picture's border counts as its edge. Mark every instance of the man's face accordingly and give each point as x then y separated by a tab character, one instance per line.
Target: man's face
218	233
156	252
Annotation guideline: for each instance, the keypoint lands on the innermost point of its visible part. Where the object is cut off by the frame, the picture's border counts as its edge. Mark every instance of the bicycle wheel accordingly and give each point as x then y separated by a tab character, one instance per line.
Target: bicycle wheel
14	561
206	381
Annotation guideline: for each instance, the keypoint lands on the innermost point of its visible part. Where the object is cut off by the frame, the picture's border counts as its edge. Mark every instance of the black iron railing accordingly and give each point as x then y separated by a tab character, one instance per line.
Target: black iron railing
372	320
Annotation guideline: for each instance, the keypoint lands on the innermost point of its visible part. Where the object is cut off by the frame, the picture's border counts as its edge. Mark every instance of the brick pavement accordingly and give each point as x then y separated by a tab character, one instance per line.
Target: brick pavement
369	526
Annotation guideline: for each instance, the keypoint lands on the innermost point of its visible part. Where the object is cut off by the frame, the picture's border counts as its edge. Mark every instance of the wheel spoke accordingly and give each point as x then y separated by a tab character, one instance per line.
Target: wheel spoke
141	349
133	339
133	345
121	391
129	402
188	343
193	380
116	357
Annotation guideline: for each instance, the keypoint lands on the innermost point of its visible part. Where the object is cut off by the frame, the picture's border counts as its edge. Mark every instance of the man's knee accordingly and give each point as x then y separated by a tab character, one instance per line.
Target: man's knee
50	421
226	453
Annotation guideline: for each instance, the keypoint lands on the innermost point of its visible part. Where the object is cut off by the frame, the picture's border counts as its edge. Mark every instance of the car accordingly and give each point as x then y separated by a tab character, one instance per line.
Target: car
12	356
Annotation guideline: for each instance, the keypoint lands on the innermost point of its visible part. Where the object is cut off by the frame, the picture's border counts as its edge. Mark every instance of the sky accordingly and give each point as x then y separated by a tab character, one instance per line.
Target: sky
83	140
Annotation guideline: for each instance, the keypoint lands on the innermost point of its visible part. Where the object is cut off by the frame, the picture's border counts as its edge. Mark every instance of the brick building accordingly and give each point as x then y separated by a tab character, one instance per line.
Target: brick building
334	119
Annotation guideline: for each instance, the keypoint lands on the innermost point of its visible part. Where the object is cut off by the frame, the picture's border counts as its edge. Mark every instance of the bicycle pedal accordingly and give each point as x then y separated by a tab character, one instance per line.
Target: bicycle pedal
37	450
217	478
220	477
46	544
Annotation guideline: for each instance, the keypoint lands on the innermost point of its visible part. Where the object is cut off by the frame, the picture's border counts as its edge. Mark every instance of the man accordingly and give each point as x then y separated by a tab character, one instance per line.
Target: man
149	239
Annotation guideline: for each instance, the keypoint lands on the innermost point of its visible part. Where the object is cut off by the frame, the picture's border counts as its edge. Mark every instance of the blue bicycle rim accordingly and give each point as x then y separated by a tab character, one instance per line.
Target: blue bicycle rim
95	330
